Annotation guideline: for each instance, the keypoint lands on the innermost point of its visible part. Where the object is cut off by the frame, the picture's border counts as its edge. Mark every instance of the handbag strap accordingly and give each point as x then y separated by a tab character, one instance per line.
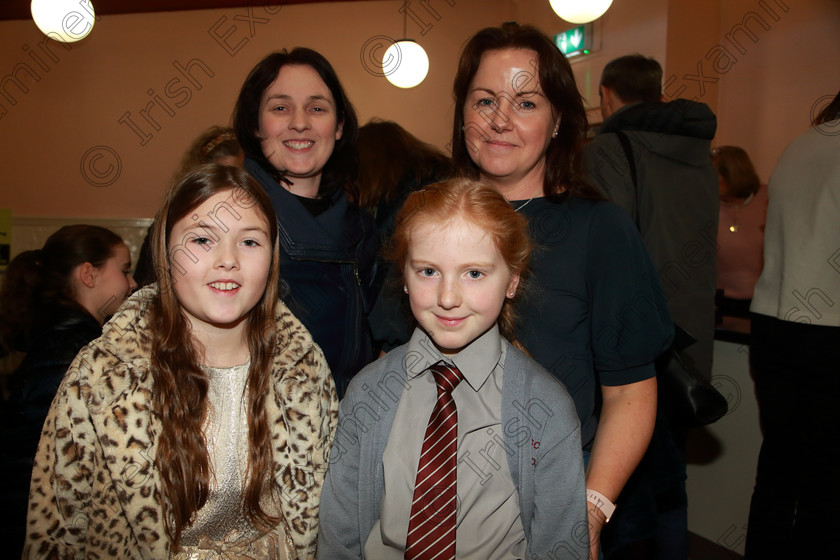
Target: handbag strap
682	339
624	140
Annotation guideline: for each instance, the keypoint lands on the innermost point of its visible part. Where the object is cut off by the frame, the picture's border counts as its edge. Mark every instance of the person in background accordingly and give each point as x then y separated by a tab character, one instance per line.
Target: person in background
652	159
670	190
794	352
54	301
392	164
598	319
743	213
502	476
197	425
300	134
217	144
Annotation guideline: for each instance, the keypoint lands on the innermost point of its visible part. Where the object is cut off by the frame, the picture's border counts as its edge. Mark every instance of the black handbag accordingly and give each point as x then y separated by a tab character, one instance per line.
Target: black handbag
687	398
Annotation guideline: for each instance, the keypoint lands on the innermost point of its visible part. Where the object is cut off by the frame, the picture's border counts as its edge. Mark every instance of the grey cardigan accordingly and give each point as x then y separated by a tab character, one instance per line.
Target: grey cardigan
541	430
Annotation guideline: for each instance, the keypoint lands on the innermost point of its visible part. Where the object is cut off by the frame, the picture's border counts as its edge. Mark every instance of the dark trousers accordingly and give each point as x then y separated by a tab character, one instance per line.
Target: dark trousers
795	508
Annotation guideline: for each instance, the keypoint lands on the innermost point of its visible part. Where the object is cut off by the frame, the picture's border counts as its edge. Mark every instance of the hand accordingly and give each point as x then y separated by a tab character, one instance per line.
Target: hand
596	523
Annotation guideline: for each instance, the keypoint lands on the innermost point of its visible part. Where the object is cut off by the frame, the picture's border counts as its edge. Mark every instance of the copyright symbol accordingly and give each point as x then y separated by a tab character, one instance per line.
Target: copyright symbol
730	389
101	166
831	128
435	505
372	56
551	226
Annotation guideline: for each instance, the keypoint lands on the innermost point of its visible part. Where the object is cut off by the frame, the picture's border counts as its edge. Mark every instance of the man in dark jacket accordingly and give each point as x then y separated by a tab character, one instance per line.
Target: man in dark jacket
675	198
652	158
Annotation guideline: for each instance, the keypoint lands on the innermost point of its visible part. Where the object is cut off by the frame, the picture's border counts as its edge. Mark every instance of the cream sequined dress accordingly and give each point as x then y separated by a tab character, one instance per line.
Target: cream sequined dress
221	530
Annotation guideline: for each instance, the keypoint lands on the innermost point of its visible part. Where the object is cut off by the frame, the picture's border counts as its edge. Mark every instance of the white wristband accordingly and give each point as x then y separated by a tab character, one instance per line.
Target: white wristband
601	502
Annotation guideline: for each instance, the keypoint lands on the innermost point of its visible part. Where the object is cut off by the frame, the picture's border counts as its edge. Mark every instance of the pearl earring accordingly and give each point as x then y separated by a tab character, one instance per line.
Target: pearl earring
405	289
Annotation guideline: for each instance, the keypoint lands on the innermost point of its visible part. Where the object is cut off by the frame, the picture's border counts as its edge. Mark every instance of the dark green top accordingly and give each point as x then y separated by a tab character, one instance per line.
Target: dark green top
595	314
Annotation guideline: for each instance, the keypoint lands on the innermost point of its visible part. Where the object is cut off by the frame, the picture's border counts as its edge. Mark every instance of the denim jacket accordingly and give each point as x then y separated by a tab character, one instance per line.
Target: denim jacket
327	266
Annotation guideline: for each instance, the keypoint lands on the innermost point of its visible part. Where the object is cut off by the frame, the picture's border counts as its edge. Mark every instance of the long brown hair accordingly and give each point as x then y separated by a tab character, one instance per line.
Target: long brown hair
180	396
441	202
564	157
388	154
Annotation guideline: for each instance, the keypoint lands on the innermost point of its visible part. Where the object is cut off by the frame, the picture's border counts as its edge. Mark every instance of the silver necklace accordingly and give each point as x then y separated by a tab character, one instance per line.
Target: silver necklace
524	204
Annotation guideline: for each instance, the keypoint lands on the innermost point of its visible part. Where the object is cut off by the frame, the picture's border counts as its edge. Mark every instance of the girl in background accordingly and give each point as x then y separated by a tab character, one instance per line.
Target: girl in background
514	484
54	300
195	426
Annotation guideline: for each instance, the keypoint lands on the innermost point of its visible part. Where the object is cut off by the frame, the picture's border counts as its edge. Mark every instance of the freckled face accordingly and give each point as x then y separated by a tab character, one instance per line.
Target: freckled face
219	273
457	281
298	124
508	121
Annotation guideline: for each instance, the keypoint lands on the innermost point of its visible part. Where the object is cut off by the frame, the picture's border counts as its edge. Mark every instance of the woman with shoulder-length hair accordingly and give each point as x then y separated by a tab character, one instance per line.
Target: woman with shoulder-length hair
598	319
196	425
299	133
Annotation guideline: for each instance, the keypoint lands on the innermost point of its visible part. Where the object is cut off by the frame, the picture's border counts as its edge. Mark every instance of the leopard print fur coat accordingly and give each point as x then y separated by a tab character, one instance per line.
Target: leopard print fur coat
95	490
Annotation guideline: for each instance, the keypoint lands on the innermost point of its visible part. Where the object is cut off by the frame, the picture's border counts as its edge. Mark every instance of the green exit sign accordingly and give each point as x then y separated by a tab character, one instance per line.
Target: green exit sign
575	41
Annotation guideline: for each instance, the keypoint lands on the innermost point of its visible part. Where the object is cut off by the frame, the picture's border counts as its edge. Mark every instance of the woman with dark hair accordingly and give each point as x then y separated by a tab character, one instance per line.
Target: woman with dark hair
299	133
54	301
743	213
598	318
196	425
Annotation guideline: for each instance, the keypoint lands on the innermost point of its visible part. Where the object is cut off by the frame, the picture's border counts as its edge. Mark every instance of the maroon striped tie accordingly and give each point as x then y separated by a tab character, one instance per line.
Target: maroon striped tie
431	528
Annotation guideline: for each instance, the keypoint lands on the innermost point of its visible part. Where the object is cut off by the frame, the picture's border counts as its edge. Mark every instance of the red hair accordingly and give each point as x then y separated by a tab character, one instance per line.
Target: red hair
482	206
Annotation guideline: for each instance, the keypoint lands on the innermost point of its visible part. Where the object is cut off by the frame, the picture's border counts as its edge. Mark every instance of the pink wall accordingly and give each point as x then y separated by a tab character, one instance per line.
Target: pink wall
766	97
77	104
73	108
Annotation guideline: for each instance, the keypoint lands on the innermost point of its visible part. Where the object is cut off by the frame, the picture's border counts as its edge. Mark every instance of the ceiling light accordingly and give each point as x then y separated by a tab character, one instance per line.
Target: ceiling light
67	21
580	11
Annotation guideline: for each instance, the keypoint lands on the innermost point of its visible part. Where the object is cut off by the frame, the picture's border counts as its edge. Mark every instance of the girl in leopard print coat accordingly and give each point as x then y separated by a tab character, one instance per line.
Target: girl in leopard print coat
198	425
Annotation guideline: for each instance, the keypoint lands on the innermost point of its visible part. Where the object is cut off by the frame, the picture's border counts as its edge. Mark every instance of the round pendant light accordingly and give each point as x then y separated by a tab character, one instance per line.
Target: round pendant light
411	63
406	62
63	20
580	11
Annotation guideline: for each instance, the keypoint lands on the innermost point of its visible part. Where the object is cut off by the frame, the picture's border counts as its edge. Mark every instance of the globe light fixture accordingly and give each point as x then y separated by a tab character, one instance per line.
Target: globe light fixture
405	62
67	21
409	61
580	11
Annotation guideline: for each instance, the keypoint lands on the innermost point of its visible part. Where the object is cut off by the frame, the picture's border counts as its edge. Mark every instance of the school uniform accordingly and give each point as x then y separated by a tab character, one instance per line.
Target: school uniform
520	489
